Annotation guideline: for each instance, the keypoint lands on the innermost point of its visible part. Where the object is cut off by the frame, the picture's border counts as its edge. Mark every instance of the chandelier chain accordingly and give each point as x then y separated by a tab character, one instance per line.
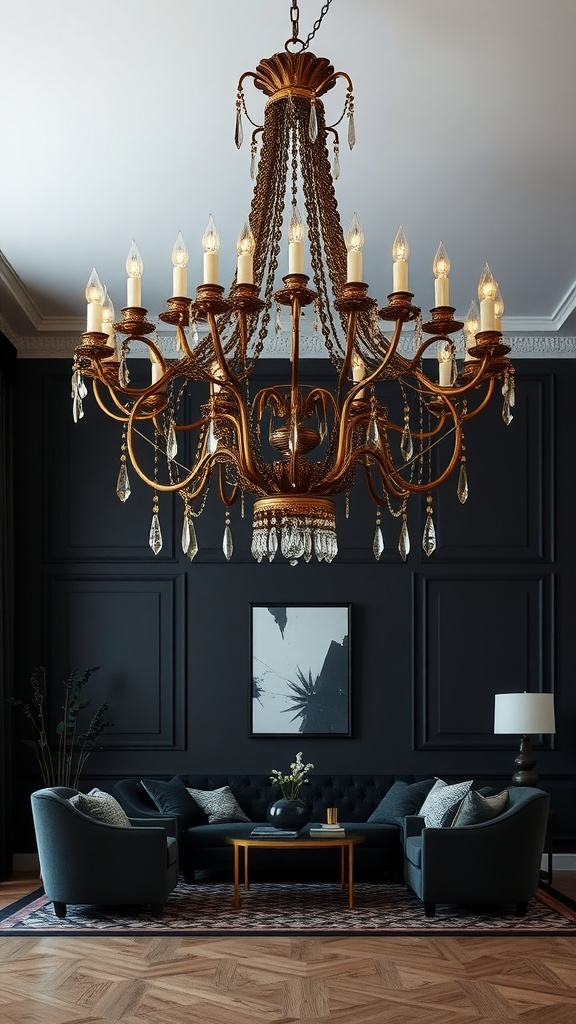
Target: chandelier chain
295	20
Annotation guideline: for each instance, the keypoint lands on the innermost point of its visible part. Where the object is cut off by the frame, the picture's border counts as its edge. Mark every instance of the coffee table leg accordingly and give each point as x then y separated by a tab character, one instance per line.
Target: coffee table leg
350	875
246	884
236	876
342	868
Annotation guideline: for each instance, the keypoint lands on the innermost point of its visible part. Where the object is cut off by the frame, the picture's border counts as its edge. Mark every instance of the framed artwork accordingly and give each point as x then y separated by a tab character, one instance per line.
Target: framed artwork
300	670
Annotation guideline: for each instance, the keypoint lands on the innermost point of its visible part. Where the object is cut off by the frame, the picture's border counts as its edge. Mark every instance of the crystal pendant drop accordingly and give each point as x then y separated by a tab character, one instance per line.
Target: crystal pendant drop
239	131
123	374
192	549
307	544
462	489
351	130
212	442
77	408
123	483
378	544
272	543
253	152
507	412
83	390
155	538
336	166
372	434
227	544
406	446
171	442
313	123
404	542
185	534
429	536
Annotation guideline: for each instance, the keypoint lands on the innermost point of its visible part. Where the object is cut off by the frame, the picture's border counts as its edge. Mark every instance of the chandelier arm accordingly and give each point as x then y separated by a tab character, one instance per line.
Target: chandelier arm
463	389
204	465
227	500
183	341
483	403
350	338
376	498
242	456
113	416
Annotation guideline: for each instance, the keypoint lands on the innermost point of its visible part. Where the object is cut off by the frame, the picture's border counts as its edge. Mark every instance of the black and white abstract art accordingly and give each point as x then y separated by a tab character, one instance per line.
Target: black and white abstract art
300	670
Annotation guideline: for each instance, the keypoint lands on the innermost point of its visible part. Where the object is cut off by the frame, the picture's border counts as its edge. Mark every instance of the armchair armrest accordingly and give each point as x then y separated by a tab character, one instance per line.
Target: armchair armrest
157	821
413	825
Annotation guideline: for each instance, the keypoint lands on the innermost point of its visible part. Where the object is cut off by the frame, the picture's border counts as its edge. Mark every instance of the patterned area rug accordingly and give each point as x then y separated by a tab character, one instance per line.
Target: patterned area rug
280	908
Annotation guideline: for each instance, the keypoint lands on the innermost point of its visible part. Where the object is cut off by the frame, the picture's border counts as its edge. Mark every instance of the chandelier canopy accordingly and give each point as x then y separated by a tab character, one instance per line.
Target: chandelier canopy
294	447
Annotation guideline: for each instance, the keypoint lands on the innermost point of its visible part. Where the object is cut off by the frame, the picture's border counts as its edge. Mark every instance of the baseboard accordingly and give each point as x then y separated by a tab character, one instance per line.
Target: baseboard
560	862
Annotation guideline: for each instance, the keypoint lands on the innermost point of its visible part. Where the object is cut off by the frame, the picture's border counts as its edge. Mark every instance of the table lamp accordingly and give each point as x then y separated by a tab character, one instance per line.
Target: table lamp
524	714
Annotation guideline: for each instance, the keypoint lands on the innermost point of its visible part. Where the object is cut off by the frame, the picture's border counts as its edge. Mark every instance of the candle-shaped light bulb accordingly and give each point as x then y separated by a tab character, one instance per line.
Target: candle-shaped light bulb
134	269
471	328
245	248
441	267
498	309
400	253
180	263
211	247
94	293
354	244
107	314
296	232
487	290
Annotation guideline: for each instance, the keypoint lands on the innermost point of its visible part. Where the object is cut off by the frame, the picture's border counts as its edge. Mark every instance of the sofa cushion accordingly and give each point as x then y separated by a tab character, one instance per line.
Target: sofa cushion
220	805
173	798
102	806
440	799
401	799
475	809
413	850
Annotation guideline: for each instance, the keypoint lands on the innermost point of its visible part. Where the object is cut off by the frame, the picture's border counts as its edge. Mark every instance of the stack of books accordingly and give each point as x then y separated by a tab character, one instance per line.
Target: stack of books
269	832
326	831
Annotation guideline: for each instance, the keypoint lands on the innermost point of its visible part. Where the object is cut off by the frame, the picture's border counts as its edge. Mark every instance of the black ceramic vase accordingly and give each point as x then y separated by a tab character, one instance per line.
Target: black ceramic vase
292	814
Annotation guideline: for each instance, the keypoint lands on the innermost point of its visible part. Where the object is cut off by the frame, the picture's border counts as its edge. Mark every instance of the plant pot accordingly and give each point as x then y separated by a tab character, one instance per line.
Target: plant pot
285	813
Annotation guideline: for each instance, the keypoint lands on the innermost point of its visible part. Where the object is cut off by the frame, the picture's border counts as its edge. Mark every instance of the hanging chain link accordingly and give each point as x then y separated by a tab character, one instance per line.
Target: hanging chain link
295	19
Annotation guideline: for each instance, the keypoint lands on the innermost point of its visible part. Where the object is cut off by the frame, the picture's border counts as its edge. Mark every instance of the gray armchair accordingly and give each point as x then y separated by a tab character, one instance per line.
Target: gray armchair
83	860
497	862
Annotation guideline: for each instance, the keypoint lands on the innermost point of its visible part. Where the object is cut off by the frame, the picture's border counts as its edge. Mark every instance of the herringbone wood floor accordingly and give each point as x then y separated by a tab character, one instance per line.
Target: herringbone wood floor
163	980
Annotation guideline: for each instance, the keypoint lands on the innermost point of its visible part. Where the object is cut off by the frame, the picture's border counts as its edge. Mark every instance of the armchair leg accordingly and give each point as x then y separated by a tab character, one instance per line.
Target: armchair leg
430	909
521	908
59	909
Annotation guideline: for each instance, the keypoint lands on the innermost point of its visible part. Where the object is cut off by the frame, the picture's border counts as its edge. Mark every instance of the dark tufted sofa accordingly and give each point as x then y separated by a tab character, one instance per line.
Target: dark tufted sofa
203	846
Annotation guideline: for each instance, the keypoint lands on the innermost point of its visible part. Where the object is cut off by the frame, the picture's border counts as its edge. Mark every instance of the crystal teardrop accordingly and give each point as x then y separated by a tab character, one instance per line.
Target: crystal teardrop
239	131
351	130
123	483
462	489
507	412
155	538
253	163
185	534
372	434
307	544
406	446
192	549
227	544
429	536
212	442
511	395
404	542
378	543
83	390
336	166
313	123
171	442
272	543
123	374
77	410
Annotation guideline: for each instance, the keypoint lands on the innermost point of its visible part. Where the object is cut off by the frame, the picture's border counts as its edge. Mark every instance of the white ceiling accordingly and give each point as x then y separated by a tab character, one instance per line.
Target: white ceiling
118	122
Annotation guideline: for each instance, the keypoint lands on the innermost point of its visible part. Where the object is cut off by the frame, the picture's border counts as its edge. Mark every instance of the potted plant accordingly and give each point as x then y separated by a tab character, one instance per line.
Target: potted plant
61	763
290	811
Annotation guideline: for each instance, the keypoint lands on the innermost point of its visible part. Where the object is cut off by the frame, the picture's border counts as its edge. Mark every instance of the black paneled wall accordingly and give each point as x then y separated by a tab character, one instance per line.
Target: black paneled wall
432	639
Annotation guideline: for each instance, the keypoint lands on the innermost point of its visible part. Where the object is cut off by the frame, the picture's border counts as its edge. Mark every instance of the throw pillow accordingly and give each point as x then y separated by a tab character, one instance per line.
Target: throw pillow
401	799
220	805
102	806
476	809
173	799
440	799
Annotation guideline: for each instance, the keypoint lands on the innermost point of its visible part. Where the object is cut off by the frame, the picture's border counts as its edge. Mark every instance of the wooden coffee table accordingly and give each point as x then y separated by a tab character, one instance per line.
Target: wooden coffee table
345	844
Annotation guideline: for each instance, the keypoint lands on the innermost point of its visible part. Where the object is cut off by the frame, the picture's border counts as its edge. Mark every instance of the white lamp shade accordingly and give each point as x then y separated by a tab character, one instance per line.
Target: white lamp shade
524	714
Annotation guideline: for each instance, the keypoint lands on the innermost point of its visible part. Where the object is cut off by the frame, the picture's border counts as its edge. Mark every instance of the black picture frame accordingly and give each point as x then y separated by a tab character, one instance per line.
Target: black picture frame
300	670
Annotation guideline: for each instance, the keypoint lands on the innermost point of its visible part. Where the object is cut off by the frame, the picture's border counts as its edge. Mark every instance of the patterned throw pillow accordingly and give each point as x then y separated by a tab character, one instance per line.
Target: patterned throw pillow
476	809
102	806
439	799
220	805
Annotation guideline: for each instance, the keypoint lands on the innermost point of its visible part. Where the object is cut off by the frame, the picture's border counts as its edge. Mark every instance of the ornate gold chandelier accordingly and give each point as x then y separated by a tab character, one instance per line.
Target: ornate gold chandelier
294	447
